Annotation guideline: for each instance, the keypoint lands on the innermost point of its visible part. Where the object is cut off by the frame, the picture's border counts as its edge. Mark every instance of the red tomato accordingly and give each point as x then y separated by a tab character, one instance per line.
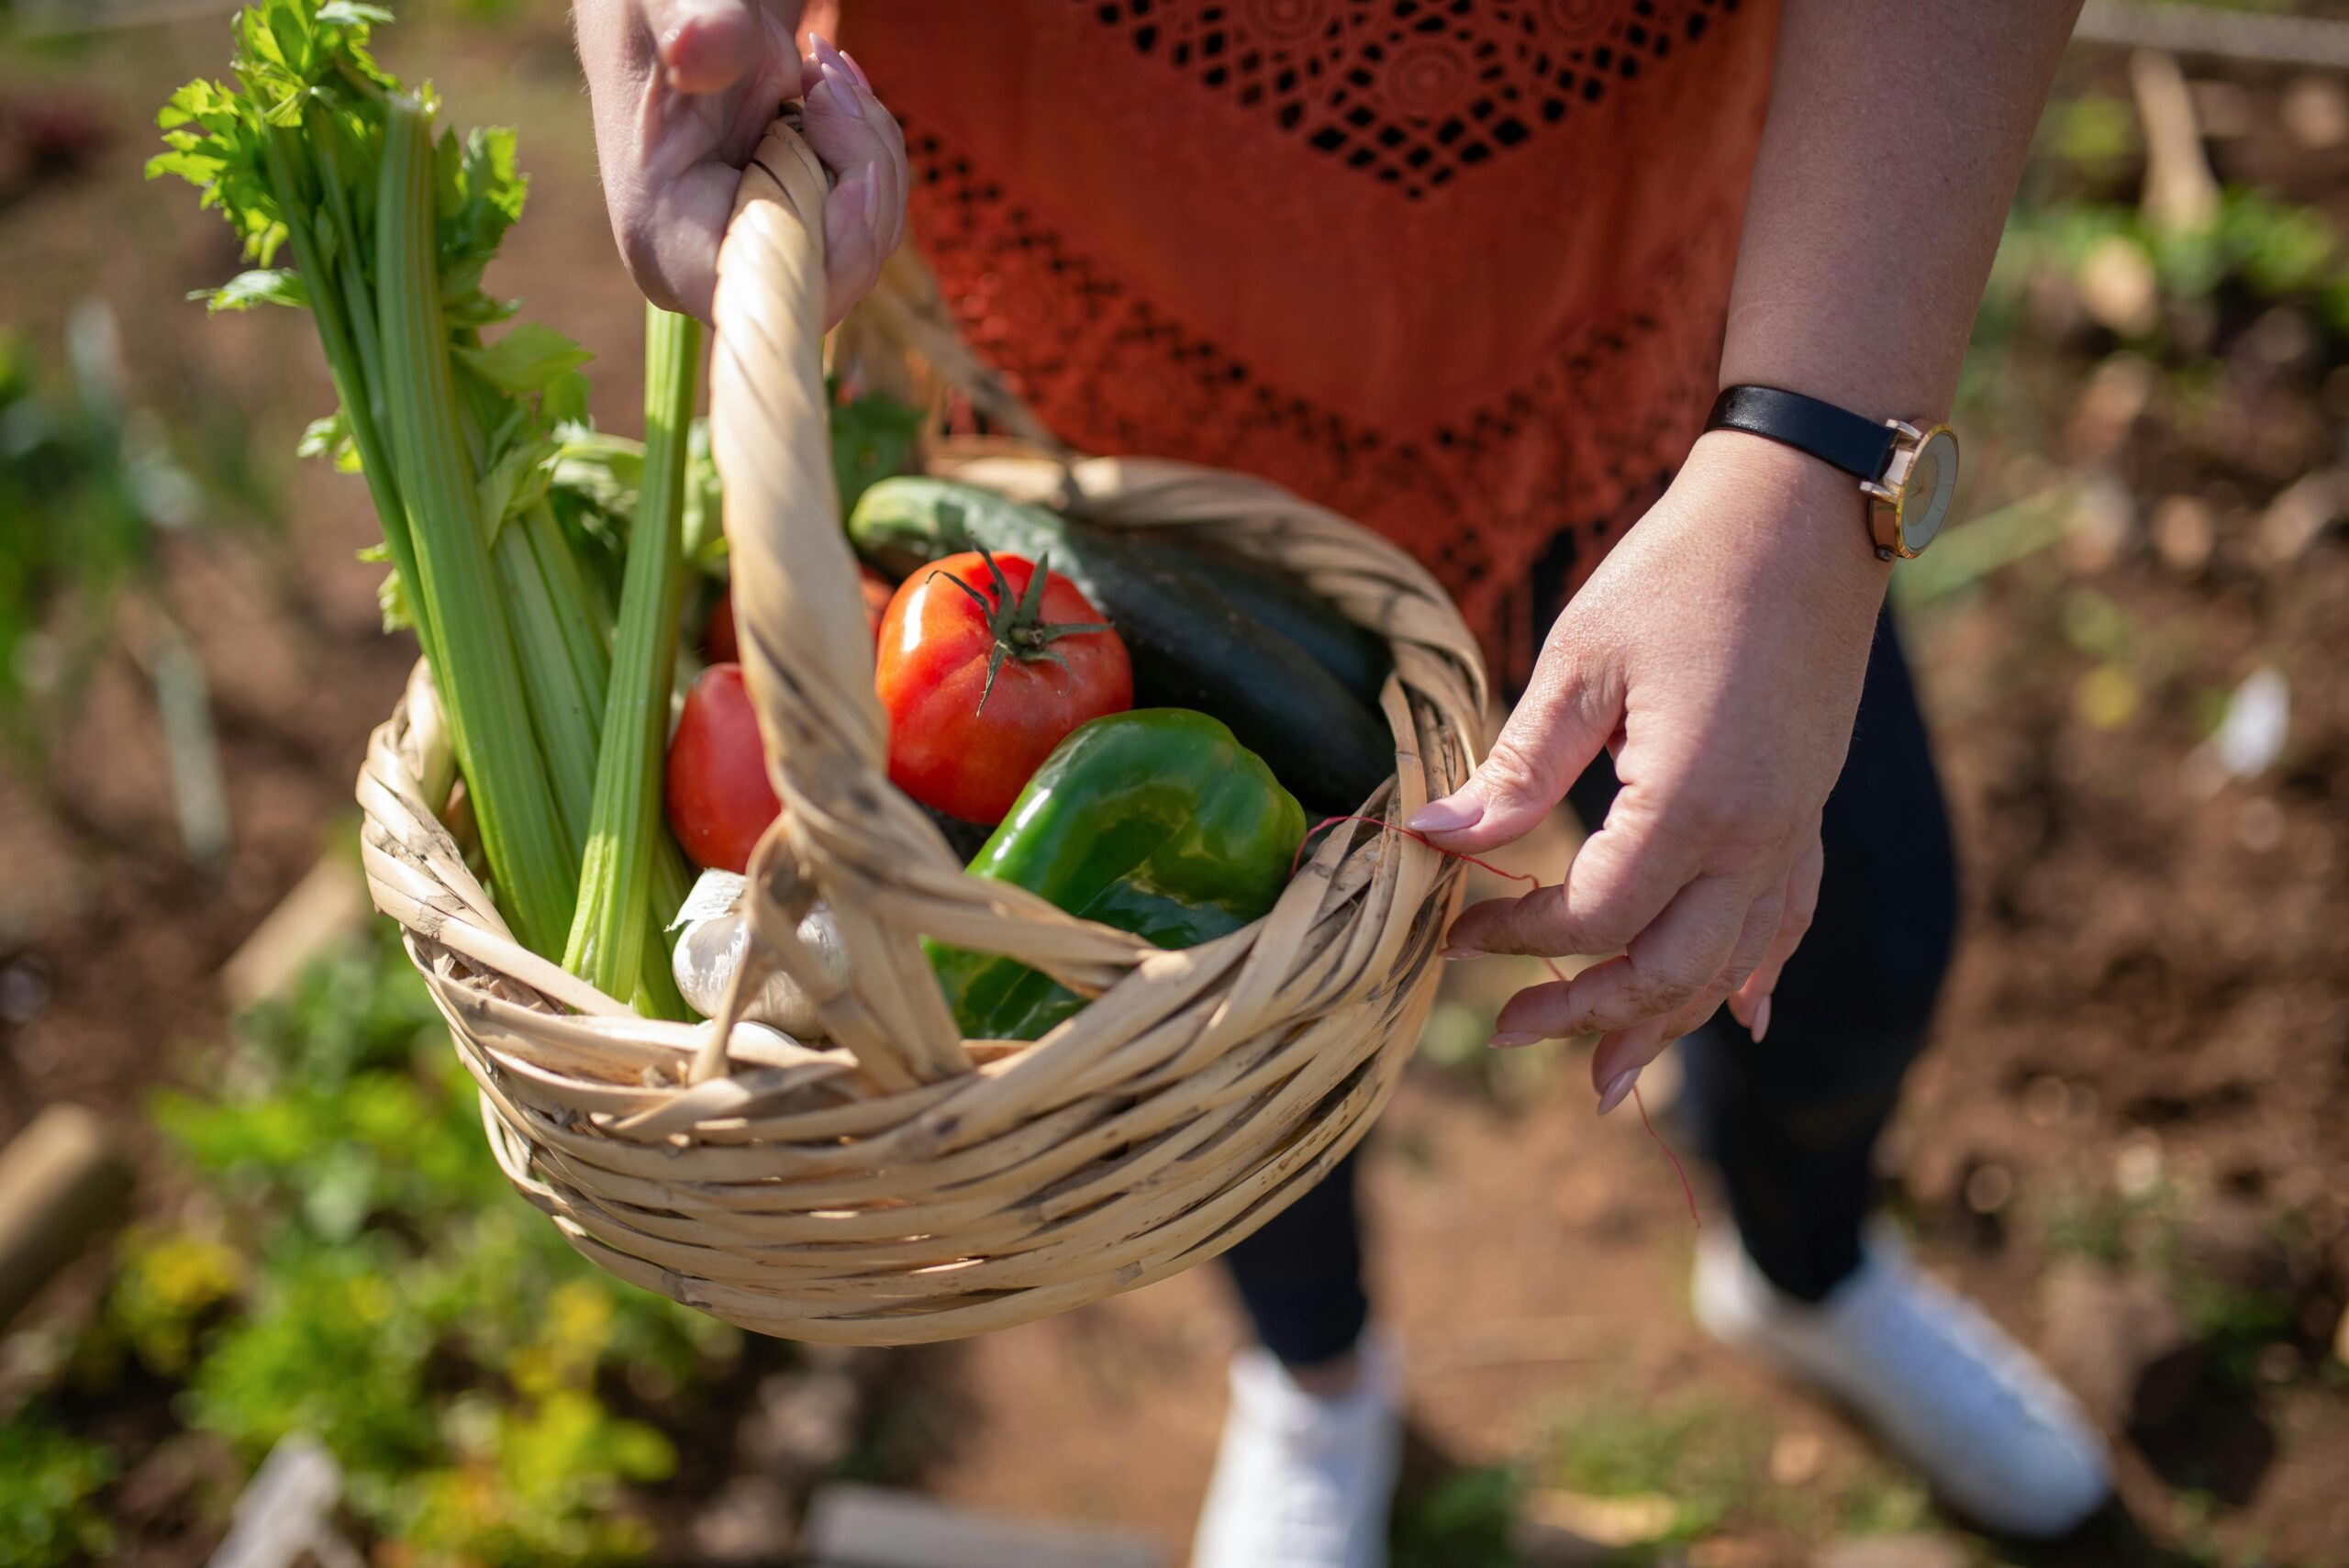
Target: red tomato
718	642
955	742
878	592
716	792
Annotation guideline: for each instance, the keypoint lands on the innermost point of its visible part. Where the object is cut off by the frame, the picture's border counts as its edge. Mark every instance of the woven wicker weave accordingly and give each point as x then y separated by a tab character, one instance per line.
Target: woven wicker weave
901	1183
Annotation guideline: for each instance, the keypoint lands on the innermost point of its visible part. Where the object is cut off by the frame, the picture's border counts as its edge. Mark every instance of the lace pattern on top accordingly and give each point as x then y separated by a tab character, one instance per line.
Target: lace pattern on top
1510	504
1411	92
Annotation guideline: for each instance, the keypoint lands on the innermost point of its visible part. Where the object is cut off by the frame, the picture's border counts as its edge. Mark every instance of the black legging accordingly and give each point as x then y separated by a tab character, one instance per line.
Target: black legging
1791	1123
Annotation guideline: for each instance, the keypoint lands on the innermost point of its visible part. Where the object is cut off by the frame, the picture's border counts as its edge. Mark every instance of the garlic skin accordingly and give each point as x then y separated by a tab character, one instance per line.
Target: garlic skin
715	941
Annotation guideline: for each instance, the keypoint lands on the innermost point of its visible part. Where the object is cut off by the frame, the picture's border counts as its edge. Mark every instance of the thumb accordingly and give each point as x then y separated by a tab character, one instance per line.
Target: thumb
703	45
1555	731
859	140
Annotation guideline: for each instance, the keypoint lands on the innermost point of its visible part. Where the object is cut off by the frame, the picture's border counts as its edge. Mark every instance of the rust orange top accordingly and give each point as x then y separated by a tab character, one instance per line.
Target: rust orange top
1457	270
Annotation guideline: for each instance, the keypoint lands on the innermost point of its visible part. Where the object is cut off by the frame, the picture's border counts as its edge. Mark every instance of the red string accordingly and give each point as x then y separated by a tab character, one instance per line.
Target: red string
1686	1191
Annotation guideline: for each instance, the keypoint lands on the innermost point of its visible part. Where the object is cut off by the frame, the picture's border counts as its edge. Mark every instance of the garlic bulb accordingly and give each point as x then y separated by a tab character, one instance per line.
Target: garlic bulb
716	939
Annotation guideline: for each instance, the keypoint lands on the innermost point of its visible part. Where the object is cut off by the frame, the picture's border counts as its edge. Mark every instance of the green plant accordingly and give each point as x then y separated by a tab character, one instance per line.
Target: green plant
2104	1227
166	1286
2096	132
390	220
328	1347
89	489
49	1486
1684	1449
612	930
873	439
2269	251
2234	1323
370	1280
1462	1521
1886	1505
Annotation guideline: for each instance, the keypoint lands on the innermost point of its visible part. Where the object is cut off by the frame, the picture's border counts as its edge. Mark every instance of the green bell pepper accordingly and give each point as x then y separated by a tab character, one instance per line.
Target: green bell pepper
1157	822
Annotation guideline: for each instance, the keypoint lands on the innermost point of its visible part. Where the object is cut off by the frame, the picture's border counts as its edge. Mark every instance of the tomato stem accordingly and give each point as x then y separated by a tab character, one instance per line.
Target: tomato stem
1016	622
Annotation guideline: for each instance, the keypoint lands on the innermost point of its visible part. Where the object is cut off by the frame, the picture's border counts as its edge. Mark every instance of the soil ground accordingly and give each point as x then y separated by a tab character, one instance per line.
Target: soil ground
2142	1064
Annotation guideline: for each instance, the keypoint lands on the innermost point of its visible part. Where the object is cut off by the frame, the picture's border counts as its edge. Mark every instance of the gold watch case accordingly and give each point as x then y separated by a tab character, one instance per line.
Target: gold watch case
1908	506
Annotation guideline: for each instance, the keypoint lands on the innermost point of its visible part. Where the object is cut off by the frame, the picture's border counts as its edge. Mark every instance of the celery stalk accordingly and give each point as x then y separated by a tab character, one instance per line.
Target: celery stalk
569	666
315	149
584	621
565	694
567	671
474	663
607	945
349	356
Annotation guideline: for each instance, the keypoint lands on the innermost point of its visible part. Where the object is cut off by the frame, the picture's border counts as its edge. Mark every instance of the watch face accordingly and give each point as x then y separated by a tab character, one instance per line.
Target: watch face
1926	495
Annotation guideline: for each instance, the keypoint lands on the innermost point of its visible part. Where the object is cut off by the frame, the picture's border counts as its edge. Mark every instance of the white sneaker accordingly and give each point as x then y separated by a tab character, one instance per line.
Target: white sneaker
1987	1426
1303	1482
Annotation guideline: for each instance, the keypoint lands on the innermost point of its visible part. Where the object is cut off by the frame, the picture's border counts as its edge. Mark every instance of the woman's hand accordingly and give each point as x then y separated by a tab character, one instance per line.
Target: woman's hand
682	91
1718	653
1718	650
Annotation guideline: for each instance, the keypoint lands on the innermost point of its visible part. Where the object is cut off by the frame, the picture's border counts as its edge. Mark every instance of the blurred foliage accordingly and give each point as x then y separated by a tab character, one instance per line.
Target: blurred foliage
1887	1506
359	1270
167	1286
873	438
48	1484
1681	1449
2164	294
594	478
2143	1231
2265	249
86	490
1462	1521
90	487
2095	133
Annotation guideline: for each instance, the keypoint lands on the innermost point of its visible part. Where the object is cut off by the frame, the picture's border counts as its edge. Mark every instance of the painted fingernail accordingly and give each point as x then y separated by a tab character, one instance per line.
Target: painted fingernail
856	71
1510	1039
1761	1021
1619	1088
843	92
1443	815
1457	953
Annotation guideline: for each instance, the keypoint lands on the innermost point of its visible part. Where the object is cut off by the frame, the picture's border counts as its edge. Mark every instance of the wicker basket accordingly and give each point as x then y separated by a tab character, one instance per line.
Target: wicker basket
905	1185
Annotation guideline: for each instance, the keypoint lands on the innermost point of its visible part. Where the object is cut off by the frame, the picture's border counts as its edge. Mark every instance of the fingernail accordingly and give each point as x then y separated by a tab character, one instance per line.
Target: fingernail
1510	1039
844	94
1457	953
1617	1089
1761	1021
1443	815
856	71
684	17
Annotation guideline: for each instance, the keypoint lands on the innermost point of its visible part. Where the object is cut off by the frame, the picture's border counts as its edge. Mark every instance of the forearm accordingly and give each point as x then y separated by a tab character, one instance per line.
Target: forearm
1720	649
1896	135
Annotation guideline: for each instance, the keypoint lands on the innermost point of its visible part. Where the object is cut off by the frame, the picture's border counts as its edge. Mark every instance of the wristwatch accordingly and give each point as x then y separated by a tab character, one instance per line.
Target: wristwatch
1908	474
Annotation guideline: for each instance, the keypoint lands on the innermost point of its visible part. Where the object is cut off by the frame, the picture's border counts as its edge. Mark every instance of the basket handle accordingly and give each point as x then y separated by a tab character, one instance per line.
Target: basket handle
807	647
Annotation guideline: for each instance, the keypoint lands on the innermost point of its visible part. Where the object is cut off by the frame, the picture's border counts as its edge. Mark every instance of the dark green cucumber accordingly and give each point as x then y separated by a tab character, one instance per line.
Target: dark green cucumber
966	839
1357	655
1191	643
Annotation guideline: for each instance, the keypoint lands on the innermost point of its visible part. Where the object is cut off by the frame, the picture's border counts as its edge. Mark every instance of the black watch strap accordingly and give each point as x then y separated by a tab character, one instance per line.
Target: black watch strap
1859	446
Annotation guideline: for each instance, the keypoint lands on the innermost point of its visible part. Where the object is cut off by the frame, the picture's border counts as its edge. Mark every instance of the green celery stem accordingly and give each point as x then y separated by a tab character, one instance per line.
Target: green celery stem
349	361
567	692
609	942
471	642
